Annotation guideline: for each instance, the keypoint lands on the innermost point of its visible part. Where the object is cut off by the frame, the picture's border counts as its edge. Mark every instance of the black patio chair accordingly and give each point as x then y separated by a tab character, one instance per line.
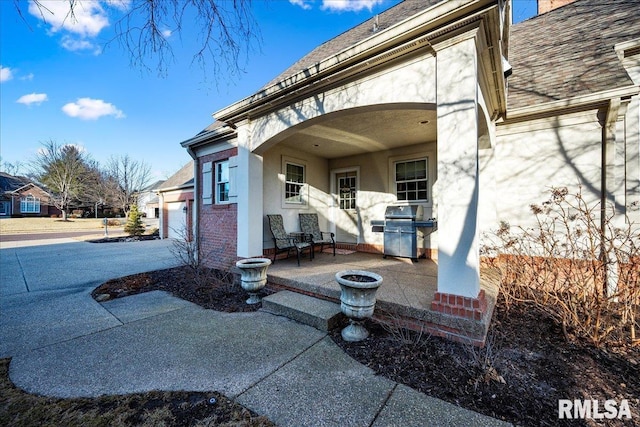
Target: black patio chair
309	226
286	242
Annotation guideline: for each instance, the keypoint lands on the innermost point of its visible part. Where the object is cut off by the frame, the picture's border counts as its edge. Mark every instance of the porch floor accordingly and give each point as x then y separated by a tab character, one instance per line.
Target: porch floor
404	298
405	283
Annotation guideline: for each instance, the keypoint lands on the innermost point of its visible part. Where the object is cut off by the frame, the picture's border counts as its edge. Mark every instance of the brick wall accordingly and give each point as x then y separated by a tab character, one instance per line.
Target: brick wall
46	209
547	5
218	224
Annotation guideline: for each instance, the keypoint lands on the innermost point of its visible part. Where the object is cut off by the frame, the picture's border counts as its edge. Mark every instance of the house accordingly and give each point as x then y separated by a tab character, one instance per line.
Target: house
175	200
148	203
19	197
443	104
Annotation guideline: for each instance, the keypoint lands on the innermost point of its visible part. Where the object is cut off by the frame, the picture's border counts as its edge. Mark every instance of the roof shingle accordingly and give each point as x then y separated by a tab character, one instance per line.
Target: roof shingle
569	51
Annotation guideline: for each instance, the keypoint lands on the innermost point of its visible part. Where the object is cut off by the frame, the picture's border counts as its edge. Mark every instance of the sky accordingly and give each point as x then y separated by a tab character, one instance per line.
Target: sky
61	82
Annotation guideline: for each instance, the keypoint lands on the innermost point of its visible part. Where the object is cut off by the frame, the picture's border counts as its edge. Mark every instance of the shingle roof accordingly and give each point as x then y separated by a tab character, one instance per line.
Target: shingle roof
569	51
9	183
386	19
182	178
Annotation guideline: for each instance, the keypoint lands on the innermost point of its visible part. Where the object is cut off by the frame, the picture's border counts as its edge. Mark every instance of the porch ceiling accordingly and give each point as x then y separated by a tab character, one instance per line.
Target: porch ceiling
367	131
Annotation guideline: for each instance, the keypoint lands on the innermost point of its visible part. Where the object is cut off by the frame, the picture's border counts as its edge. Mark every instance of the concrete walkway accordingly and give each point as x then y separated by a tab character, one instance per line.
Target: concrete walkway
65	344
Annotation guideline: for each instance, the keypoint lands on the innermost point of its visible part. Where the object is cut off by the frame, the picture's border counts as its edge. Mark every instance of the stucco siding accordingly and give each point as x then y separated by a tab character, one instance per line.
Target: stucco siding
532	157
315	192
374	194
413	81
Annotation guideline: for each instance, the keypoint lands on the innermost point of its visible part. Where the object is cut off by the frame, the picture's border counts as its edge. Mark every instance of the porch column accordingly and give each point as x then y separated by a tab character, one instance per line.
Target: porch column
249	196
458	183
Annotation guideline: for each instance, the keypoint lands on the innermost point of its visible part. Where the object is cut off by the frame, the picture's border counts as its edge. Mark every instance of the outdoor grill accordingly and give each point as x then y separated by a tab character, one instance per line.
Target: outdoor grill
402	230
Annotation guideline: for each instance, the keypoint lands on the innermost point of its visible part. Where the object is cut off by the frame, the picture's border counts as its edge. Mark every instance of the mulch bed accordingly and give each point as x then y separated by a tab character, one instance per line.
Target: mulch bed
126	239
519	376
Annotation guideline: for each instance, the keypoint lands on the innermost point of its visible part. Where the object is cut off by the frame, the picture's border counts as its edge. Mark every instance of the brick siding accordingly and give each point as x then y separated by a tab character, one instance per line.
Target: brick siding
218	224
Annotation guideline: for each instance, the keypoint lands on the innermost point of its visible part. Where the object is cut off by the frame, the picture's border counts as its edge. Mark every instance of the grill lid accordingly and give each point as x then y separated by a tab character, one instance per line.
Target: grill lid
403	212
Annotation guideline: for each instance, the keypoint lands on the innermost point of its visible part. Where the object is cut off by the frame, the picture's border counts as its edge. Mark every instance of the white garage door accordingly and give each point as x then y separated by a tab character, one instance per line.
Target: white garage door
176	219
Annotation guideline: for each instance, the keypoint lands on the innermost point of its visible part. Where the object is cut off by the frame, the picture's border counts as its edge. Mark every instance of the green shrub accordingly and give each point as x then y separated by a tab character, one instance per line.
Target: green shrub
134	225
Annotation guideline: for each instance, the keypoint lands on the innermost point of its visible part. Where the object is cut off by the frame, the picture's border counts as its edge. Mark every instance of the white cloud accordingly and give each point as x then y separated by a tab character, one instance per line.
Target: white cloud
166	33
91	109
79	29
88	19
33	98
28	77
305	4
72	44
5	74
350	5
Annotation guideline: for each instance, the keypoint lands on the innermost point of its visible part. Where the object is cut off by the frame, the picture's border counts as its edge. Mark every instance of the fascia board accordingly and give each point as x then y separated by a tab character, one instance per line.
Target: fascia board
572	103
209	137
438	15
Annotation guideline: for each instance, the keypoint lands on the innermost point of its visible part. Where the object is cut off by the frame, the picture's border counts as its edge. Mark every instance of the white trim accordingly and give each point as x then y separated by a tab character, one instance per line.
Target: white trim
216	192
430	156
304	188
572	103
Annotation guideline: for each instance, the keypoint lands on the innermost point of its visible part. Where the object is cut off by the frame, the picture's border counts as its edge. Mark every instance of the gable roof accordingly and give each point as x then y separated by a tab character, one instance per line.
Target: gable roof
181	179
10	183
154	186
569	52
385	19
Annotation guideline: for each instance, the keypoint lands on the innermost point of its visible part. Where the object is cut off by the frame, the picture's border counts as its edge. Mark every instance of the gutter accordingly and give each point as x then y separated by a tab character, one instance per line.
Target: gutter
402	38
572	104
207	137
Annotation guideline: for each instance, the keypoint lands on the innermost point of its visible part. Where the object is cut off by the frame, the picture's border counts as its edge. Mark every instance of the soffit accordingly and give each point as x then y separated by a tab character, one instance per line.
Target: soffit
365	132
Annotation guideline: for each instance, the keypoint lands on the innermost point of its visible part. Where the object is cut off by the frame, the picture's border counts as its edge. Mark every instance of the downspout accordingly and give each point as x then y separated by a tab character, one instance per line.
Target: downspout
196	198
610	266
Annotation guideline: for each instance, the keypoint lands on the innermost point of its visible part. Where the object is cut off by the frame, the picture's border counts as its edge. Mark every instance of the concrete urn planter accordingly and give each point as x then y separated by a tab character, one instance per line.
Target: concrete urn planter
357	300
253	276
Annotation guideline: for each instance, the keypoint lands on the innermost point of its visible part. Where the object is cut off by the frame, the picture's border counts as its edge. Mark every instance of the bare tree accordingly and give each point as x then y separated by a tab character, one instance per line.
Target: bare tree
226	30
126	177
62	169
14	168
98	188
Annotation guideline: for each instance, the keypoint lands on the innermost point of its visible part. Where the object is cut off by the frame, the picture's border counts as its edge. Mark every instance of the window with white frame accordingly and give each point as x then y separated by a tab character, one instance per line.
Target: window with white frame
222	182
30	204
411	179
294	183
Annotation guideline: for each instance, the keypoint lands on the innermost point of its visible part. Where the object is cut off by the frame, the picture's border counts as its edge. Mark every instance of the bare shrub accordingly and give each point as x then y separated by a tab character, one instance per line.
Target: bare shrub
579	264
190	253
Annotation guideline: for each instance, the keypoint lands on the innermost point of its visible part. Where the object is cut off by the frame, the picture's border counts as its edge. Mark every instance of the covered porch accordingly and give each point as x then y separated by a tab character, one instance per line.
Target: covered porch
405	298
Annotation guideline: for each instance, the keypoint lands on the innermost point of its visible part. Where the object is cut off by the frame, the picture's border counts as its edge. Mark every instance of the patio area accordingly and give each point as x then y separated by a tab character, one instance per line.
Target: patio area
404	298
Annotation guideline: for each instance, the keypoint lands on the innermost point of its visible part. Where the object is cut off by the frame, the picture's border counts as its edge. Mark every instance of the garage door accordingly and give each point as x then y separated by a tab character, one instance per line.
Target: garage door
176	220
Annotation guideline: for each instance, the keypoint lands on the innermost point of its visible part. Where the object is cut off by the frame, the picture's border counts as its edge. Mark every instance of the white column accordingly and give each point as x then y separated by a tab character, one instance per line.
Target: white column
458	183
249	189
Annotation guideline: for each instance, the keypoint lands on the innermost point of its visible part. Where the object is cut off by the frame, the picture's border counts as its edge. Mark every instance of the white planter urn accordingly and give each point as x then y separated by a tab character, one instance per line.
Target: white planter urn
253	276
357	300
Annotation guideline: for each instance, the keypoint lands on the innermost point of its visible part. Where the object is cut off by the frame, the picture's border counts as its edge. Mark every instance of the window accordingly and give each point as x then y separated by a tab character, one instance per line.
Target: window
294	183
222	182
347	189
411	180
30	204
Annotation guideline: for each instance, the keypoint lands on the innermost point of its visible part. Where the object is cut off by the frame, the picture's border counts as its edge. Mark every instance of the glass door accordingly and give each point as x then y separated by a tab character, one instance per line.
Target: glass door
345	210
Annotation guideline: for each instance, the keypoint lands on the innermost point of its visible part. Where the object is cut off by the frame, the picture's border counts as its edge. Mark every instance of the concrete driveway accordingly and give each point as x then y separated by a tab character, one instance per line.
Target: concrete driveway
63	343
44	289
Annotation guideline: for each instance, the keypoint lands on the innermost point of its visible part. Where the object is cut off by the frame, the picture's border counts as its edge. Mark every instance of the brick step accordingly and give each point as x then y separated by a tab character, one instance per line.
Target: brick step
321	314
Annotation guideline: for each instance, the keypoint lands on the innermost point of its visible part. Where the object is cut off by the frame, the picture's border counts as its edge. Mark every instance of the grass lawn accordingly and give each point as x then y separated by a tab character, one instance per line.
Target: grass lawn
43	225
155	408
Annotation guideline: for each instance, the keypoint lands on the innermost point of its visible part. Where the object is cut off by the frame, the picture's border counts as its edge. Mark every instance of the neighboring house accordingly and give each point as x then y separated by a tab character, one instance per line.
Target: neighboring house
19	196
175	197
148	202
445	104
